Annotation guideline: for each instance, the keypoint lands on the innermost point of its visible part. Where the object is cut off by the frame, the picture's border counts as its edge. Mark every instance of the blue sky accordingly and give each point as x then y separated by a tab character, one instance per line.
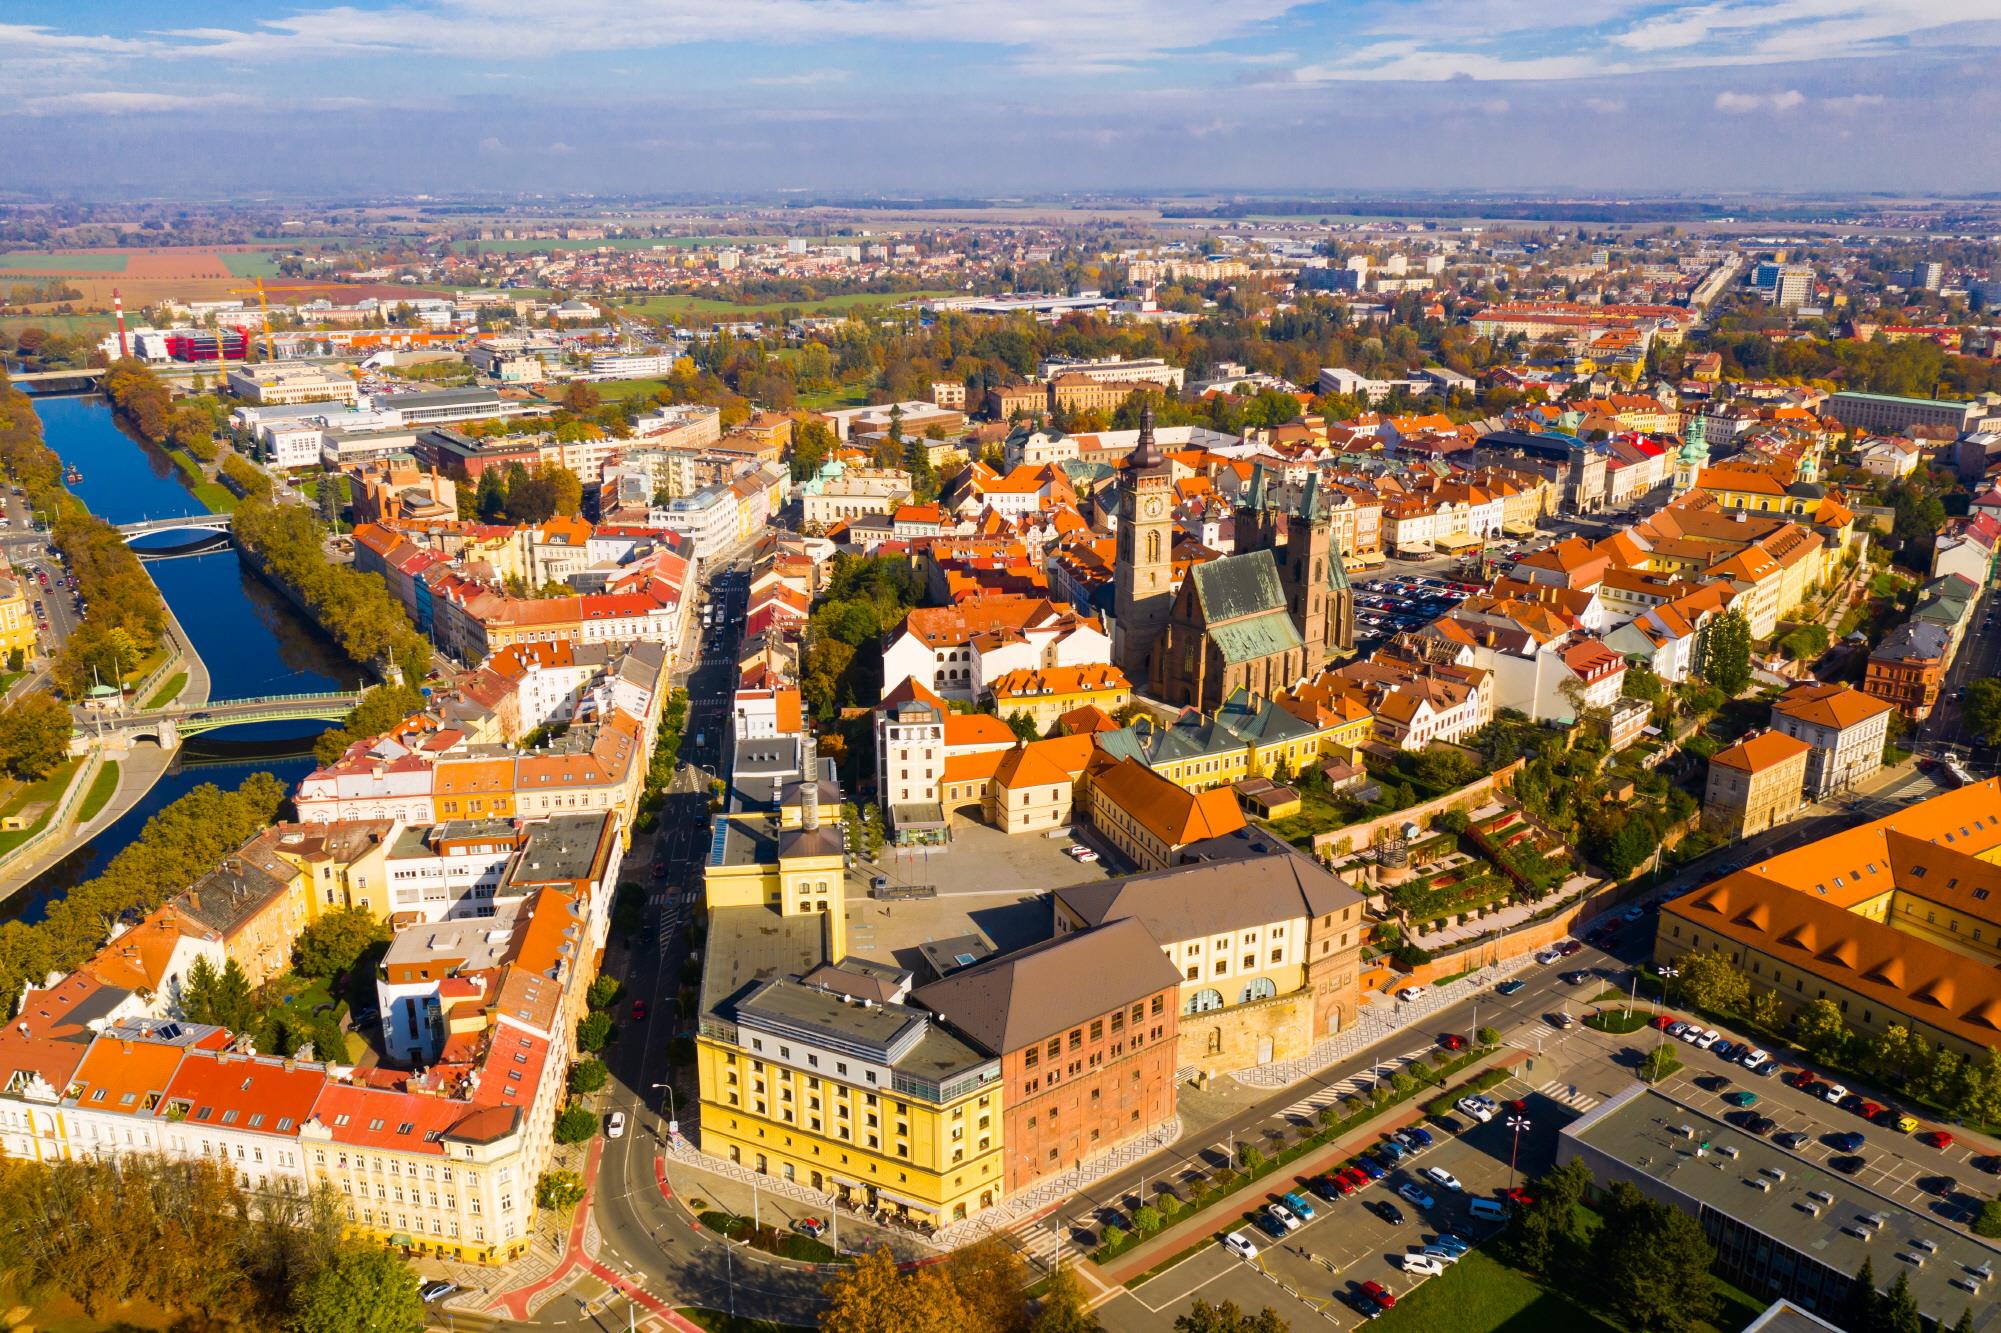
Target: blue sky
207	96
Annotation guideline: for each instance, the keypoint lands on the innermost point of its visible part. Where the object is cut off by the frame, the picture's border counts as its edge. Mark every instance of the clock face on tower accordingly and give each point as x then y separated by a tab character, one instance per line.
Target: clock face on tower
1152	507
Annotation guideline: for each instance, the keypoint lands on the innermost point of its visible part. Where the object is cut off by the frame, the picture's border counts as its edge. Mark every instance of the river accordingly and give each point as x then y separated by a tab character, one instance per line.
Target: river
252	640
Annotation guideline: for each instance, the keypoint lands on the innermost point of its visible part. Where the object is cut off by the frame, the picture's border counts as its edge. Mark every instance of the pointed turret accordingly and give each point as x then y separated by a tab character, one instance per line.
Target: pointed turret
1146	455
1254	494
1312	504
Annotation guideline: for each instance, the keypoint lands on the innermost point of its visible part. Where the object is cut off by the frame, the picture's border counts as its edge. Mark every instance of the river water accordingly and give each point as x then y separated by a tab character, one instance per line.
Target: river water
252	641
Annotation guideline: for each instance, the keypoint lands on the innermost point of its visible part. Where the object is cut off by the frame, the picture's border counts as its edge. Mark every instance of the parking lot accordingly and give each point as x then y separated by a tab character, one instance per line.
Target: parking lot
1322	1265
1944	1183
1386	606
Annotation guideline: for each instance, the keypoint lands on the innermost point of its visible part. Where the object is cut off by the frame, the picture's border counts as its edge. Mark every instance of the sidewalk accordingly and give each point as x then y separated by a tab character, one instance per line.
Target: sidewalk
521	1288
687	1179
1193	1228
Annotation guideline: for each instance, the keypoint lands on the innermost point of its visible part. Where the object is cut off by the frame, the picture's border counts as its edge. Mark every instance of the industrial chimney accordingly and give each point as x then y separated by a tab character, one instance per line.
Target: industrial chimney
118	308
809	779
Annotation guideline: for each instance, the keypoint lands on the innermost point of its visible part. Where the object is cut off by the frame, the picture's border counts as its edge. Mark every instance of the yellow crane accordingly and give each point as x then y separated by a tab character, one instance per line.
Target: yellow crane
264	306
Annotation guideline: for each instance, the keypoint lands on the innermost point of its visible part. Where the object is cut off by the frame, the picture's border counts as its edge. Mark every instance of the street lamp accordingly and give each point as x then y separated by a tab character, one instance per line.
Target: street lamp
1517	1123
673	1120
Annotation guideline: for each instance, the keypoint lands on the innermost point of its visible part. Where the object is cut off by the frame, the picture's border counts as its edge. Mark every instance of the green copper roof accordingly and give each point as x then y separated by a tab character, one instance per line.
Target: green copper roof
1258	636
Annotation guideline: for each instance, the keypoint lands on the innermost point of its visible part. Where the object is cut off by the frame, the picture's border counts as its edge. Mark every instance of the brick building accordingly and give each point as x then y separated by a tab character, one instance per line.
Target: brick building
1085	1027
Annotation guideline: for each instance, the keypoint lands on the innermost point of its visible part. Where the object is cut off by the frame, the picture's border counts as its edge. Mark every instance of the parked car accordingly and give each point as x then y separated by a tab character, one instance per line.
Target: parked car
1411	1194
1451	1244
1833	1093
1709	1038
1903	1123
1443	1255
1937	1138
1380	1294
1270	1225
1480	1108
1297	1202
436	1291
1371	1168
1388	1211
1423	1264
1570	948
1847	1165
1438	1175
1547	956
1741	1098
1286	1217
1846	1142
1409	993
1792	1138
1752	1058
1241	1245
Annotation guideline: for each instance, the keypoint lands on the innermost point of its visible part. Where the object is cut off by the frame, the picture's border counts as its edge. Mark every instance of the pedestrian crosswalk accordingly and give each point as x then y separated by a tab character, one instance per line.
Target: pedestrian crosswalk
1357	1082
1567	1093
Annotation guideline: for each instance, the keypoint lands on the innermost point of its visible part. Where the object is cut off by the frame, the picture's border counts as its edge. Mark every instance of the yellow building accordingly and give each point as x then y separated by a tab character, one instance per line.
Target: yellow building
1755	784
1247	737
17	616
1046	694
342	863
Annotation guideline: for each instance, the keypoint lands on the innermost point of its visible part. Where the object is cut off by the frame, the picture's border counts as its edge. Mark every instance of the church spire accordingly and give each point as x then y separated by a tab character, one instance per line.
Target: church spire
1146	454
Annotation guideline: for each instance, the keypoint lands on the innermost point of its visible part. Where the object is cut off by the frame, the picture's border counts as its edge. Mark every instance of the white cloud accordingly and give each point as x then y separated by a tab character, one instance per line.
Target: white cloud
810	79
559	149
1606	106
127	103
1740	104
1854	102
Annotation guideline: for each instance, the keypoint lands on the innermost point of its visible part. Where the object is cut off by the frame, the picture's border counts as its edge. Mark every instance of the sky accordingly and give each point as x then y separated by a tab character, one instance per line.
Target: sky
201	98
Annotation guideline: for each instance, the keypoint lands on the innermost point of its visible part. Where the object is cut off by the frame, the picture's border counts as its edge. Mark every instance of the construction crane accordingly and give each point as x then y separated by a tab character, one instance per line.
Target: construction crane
264	305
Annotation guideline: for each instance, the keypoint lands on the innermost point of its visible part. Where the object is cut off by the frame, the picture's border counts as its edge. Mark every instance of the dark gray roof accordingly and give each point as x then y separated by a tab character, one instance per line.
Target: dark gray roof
1007	1002
1187	902
230	894
747	946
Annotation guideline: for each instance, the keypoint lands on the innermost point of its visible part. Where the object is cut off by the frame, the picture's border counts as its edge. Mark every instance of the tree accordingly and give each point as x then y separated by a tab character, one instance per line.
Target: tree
326	500
1765	1009
1544	1229
603	992
588	1075
874	1297
1022	725
594	1031
366	1289
1982	710
1659	1063
1203	1317
566	489
1988	1221
560	1191
34	736
1899	1311
1064	1308
1653	1262
219	996
1862	1308
1488	1036
575	1125
1249	1156
1725	653
989	1276
1897	1053
1146	1218
333	944
1819	1028
1711	981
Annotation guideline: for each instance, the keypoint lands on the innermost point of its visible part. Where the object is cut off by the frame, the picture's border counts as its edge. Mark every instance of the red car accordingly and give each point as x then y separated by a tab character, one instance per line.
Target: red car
1344	1184
1380	1294
1938	1138
1869	1110
1665	1021
1799	1078
638	1011
1452	1041
1519	1197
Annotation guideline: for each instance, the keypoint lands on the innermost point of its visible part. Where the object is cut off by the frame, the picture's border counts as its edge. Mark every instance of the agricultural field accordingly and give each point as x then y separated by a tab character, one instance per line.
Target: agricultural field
42	261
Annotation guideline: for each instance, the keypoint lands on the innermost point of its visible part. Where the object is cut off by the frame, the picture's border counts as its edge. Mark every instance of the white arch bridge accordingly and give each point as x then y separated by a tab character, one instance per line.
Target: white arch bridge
170	726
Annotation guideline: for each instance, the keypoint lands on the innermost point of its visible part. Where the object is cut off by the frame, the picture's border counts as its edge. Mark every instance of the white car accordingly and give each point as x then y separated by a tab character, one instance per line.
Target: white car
1239	1244
1422	1263
614	1128
1548	956
1480	1108
1709	1038
1690	1033
1752	1059
1411	1194
1438	1175
1835	1093
1409	993
1082	853
1283	1215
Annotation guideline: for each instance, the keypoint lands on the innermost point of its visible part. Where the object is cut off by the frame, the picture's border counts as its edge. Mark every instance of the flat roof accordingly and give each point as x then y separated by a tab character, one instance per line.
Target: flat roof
1637	1129
748	946
562	847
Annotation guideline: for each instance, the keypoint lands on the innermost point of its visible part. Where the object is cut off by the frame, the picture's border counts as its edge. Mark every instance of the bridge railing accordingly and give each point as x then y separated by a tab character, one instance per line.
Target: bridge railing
215	706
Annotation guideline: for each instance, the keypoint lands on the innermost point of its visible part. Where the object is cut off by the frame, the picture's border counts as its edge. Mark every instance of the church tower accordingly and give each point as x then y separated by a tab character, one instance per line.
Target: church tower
1256	519
1308	536
1694	455
1143	577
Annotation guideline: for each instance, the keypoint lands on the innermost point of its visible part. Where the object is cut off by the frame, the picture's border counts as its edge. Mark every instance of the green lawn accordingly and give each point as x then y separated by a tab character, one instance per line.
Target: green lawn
41	261
101	787
679	306
67	325
169	692
1480	1295
830	398
47	792
615	391
249	264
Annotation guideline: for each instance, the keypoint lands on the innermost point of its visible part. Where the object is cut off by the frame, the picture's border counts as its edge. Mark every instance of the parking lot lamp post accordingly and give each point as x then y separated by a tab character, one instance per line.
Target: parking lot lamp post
1517	1123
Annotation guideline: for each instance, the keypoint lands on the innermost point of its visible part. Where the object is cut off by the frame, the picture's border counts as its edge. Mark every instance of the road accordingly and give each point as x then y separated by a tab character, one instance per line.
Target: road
1979	659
